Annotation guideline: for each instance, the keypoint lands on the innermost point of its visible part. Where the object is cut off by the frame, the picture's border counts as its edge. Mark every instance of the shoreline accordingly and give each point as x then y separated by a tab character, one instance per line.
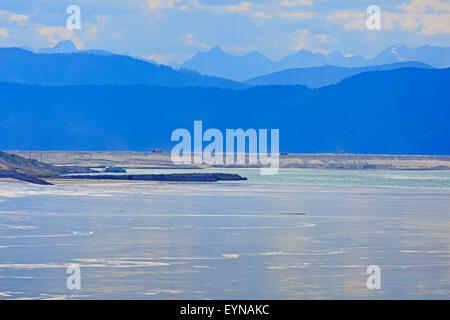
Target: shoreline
162	160
175	177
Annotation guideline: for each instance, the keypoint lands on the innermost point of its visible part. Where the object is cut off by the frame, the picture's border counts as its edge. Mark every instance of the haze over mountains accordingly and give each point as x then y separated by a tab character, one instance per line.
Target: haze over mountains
90	68
316	77
97	100
60	65
240	68
65	46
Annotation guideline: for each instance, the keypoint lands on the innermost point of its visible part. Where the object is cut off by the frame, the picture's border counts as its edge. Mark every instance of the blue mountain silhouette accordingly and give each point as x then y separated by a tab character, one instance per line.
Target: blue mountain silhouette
316	77
65	46
402	111
60	66
96	68
240	68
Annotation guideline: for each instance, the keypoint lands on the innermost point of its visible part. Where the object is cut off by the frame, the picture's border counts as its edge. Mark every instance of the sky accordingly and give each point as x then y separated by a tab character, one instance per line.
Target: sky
172	31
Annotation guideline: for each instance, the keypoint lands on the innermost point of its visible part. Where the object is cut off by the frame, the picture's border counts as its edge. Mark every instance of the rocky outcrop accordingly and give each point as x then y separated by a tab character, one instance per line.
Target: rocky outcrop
115	170
180	177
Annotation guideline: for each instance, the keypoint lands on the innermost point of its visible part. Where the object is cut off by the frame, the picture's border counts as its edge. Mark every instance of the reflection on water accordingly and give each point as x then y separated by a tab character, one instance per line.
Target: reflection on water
223	241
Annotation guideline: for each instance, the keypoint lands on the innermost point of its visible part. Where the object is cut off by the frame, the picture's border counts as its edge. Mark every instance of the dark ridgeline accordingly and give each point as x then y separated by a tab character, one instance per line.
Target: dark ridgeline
316	77
64	64
403	111
97	100
96	68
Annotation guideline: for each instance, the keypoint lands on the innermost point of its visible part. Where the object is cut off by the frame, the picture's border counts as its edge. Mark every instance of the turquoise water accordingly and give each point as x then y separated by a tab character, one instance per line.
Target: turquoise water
363	178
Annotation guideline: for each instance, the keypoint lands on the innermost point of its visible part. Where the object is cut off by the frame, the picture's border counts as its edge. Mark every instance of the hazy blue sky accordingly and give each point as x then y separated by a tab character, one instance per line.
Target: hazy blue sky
173	30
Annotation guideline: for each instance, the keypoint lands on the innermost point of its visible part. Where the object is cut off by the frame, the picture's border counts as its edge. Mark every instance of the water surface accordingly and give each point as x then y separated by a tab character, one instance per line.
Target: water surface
230	240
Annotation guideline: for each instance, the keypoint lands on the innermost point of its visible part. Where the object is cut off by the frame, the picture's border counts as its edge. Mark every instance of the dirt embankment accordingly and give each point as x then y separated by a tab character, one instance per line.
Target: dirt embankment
13	166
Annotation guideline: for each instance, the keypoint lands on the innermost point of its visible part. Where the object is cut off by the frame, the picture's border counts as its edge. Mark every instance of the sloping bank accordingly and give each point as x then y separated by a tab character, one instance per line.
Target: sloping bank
16	167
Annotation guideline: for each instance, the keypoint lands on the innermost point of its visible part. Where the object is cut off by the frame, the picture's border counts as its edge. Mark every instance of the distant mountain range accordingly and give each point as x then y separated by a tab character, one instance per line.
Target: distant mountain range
95	68
240	68
65	46
402	111
64	64
317	77
68	46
